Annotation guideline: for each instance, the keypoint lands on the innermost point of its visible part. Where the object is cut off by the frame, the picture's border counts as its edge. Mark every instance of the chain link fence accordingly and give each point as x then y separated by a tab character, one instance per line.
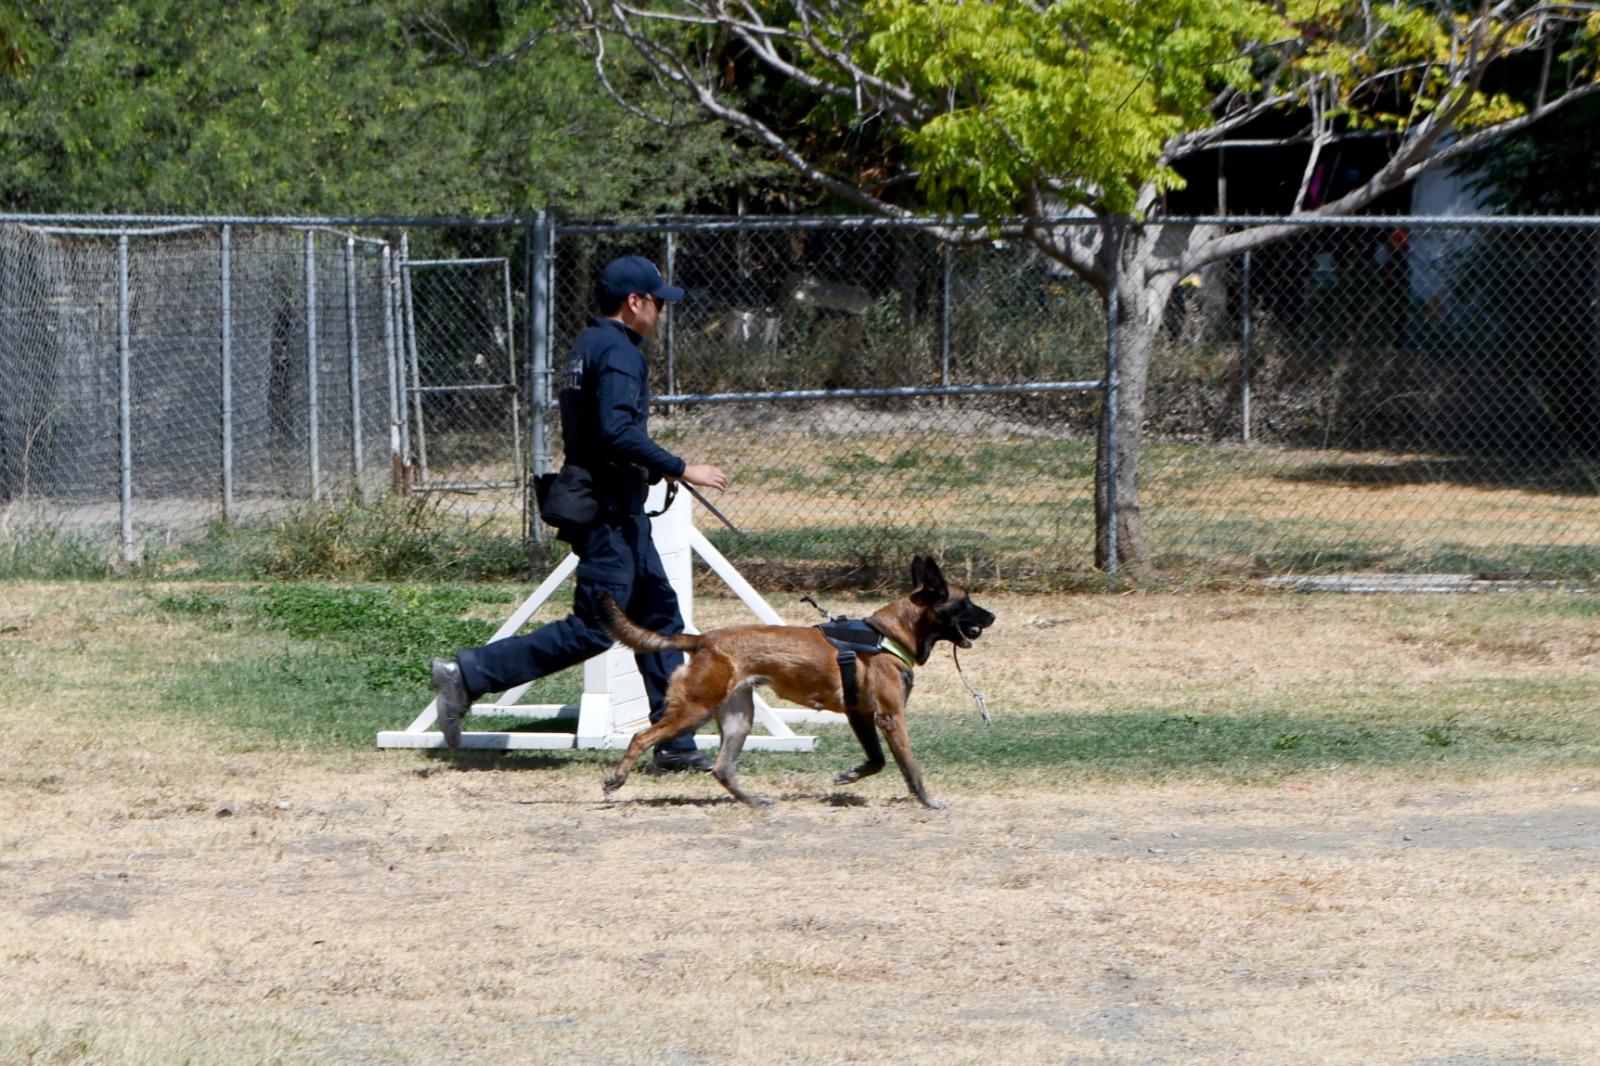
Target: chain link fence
168	378
871	393
1398	395
1408	397
160	378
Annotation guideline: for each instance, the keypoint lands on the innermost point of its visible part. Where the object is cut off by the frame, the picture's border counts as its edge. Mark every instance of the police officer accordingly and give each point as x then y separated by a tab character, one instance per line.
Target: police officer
605	407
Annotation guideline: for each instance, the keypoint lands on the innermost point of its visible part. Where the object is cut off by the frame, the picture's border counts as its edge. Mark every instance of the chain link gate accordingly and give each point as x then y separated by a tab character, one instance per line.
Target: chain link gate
464	425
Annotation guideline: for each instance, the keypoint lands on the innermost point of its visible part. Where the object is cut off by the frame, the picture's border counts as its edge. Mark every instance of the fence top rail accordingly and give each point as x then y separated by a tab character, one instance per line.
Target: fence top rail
1488	221
341	234
303	221
749	223
675	223
874	394
85	231
496	261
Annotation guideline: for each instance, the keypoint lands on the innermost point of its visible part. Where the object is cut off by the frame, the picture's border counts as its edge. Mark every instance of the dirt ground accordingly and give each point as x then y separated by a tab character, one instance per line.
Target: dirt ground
169	898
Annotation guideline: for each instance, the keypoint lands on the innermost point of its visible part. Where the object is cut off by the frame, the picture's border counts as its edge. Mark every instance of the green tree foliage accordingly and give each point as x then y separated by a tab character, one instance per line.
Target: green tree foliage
14	49
1078	98
325	107
1033	108
1547	170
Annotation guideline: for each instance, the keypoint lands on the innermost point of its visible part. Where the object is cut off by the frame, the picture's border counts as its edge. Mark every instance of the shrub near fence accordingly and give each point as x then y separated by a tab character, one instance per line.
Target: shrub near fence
1382	394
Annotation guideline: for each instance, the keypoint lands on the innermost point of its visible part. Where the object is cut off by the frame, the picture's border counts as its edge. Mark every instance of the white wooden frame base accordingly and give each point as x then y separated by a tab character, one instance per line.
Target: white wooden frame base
613	706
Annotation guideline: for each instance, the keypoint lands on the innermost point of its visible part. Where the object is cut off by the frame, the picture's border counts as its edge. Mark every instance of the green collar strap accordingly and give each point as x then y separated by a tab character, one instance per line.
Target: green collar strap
893	646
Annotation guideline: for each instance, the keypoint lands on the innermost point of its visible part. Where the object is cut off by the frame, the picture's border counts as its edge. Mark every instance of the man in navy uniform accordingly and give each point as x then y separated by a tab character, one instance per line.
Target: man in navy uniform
605	408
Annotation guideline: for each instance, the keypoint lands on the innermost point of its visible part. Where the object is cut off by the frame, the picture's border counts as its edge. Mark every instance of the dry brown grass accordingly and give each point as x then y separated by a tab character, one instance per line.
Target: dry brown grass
171	896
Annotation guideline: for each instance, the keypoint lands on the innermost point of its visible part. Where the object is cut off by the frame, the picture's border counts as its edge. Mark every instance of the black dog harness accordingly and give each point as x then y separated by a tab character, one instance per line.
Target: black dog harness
852	637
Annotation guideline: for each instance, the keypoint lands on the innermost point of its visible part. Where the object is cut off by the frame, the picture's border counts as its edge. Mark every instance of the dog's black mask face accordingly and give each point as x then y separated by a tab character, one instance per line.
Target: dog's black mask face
961	621
957	618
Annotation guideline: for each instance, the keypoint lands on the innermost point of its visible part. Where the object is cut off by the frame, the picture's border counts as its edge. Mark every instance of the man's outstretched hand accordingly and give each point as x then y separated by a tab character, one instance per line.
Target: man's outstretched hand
705	476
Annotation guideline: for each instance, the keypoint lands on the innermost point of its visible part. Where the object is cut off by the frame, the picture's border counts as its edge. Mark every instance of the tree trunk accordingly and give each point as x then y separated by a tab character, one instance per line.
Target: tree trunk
1142	295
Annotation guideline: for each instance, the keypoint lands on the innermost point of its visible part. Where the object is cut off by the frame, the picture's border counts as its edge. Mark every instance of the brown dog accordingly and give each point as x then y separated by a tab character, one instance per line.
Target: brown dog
800	665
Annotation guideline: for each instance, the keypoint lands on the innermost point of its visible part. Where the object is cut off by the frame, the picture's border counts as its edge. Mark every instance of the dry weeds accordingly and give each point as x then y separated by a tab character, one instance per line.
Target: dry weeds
170	896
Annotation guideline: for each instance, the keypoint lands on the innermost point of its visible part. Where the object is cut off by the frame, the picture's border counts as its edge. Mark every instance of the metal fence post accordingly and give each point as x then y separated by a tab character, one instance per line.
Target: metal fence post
1244	355
401	348
311	366
353	339
1594	323
540	254
408	321
391	361
672	346
944	320
125	401
511	375
227	374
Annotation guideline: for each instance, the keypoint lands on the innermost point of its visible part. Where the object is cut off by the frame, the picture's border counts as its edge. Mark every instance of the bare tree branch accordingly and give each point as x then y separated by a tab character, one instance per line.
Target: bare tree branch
456	44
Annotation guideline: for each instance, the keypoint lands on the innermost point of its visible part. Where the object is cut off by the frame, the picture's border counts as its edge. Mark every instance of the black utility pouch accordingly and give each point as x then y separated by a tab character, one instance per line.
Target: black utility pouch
567	500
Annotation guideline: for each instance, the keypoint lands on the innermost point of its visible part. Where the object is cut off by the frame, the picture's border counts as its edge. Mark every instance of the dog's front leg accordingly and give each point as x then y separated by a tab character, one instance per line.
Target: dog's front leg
861	723
893	725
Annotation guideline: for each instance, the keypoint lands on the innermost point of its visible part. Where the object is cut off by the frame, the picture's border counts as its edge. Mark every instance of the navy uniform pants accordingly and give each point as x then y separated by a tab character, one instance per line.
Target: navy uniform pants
616	558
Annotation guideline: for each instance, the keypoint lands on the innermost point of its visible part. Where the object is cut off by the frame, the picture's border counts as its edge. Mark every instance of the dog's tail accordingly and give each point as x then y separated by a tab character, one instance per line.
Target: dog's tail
637	637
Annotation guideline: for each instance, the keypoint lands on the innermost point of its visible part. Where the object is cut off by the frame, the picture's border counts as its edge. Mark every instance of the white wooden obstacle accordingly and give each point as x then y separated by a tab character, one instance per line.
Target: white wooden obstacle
614	706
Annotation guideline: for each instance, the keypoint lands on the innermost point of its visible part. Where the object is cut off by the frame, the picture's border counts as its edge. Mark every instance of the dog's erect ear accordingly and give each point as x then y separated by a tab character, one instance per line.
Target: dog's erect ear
929	586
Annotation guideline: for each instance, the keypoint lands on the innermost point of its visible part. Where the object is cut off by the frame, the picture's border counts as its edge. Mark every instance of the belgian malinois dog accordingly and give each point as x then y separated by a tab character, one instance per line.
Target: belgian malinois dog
800	665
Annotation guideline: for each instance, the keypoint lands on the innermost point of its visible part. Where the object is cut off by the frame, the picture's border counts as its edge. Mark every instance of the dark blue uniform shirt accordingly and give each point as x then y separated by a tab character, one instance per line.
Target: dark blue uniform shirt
605	413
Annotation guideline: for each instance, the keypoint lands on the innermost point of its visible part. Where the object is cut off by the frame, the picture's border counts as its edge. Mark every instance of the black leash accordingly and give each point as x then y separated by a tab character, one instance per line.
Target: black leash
748	543
982	700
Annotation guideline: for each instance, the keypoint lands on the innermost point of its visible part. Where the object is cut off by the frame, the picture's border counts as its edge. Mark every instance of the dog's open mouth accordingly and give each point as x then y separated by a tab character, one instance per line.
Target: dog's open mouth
966	634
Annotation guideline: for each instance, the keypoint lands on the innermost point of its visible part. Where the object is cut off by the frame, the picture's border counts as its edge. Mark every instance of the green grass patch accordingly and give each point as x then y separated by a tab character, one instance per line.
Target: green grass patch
55	555
1017	509
321	666
313	665
401	539
413	539
1010	554
1465	729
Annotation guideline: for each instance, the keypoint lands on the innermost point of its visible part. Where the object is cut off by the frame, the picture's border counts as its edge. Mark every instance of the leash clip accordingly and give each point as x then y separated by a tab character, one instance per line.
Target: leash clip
666	504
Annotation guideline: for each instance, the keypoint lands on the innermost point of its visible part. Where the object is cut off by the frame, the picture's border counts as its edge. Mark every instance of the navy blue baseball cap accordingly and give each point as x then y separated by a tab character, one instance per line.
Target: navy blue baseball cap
636	274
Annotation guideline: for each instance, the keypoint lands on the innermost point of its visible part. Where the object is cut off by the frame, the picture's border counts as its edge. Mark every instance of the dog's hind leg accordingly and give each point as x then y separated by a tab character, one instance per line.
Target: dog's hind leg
734	719
683	715
619	775
861	724
894	731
